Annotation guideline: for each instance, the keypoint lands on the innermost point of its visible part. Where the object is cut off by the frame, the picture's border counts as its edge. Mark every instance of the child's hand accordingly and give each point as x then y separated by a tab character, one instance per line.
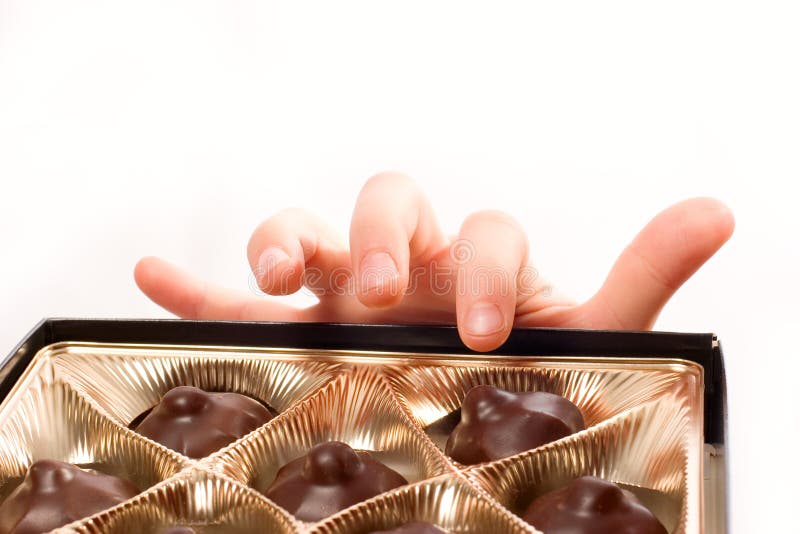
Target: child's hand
400	267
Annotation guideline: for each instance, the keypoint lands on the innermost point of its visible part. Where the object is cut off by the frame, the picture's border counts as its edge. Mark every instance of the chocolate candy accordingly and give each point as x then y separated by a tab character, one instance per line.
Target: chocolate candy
55	493
413	528
331	477
179	530
591	505
496	423
196	423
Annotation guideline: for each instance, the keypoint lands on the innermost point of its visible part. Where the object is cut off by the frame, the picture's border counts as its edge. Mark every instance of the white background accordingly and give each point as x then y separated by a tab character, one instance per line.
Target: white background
173	128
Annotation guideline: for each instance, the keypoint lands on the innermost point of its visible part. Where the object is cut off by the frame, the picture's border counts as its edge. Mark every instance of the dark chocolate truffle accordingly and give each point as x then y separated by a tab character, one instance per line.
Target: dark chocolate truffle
496	423
55	493
196	423
591	505
413	528
331	477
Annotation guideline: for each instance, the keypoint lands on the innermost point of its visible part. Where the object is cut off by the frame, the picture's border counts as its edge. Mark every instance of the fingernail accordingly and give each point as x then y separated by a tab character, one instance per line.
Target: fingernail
484	319
269	259
378	272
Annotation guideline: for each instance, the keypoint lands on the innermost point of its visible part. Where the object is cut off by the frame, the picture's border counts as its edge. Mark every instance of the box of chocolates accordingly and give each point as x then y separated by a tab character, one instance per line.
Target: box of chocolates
167	426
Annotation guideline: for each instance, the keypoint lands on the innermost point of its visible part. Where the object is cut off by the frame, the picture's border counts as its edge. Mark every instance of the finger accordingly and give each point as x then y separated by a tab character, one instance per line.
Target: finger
393	224
296	247
190	298
659	260
489	254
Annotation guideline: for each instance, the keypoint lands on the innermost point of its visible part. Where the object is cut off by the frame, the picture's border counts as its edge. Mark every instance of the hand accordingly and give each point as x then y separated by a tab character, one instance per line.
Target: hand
400	267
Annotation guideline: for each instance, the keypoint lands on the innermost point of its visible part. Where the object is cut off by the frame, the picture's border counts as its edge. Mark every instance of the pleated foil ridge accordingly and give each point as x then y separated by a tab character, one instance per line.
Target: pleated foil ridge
643	450
356	409
431	392
447	502
75	403
52	421
196	498
127	384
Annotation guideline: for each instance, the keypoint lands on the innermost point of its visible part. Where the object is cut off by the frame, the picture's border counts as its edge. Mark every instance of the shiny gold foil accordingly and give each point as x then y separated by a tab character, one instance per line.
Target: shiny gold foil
432	394
359	409
645	450
208	503
447	502
50	420
75	400
127	383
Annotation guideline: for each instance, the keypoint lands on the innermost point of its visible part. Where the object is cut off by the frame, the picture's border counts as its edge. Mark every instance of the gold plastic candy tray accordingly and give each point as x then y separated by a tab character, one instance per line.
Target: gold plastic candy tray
75	400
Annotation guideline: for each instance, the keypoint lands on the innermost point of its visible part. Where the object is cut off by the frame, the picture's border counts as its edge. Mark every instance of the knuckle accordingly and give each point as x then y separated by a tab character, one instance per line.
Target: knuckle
482	223
288	215
495	220
390	179
491	217
388	200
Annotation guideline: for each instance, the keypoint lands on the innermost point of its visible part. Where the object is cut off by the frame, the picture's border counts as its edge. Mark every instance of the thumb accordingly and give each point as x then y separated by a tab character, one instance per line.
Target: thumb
672	247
